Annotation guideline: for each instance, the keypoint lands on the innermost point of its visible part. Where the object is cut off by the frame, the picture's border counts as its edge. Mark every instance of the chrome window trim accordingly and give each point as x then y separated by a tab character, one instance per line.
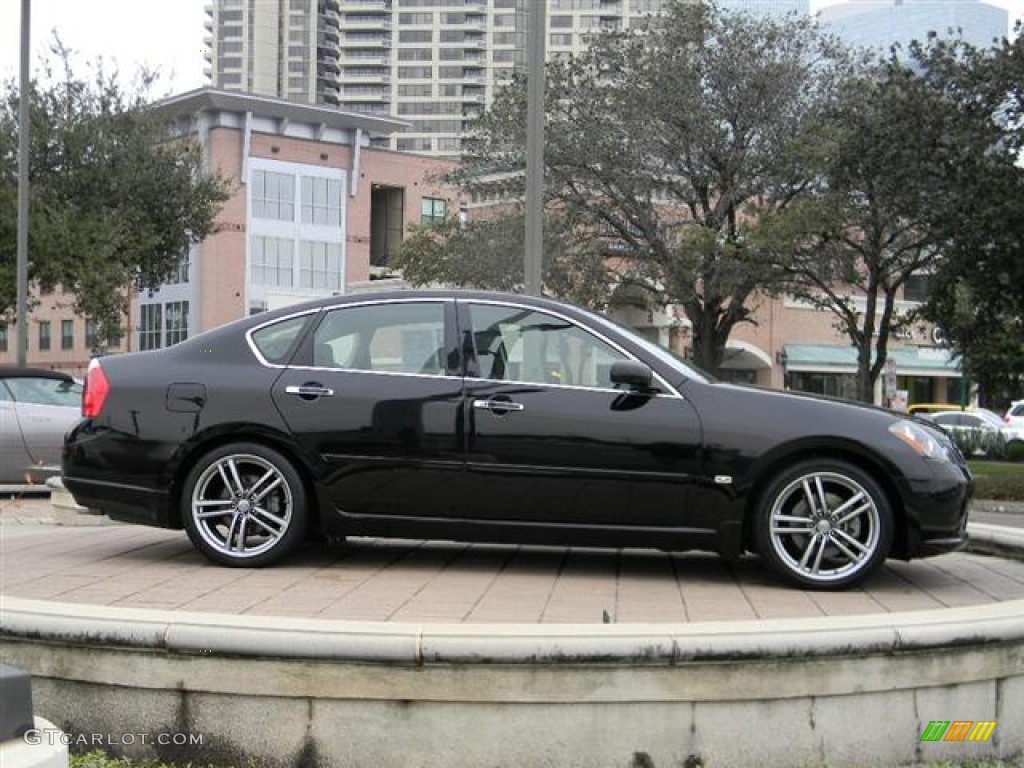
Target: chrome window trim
547	385
670	391
432	377
252	344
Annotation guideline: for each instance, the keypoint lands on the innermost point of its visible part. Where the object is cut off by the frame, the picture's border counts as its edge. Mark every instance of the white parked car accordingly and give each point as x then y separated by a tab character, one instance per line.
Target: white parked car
980	428
1014	417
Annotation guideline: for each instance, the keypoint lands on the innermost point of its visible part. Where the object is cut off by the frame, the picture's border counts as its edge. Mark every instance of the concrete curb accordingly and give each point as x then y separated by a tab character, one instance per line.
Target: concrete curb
996	540
997	506
457	696
419	644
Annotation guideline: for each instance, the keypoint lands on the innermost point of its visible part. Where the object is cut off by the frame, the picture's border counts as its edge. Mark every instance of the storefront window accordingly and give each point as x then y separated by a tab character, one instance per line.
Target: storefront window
831	384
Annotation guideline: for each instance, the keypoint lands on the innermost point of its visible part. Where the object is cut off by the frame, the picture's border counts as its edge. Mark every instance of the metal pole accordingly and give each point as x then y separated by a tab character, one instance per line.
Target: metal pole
23	136
534	235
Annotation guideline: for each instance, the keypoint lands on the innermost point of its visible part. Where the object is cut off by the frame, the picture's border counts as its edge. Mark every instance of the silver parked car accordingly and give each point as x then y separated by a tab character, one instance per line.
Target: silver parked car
36	408
980	429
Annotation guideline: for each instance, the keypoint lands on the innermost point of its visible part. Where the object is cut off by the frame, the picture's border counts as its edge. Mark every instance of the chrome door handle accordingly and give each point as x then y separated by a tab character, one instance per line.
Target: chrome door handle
309	390
497	405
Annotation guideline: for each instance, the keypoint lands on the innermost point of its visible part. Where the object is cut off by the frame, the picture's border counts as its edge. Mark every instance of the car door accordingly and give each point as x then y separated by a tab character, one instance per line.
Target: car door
13	453
376	398
44	409
553	442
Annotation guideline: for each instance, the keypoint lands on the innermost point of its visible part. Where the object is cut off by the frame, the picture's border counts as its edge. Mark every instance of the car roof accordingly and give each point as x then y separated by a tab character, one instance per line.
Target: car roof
13	372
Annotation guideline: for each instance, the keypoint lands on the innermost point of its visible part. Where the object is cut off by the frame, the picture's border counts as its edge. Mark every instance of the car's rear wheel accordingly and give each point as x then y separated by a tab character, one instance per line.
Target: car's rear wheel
824	524
244	505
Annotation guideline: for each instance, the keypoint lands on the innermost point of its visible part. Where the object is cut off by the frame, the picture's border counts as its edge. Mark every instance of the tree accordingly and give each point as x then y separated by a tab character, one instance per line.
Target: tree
977	204
668	142
114	204
488	254
851	246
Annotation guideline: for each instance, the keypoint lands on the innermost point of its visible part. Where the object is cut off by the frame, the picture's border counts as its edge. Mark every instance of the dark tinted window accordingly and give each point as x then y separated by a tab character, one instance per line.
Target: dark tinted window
518	344
274	341
405	337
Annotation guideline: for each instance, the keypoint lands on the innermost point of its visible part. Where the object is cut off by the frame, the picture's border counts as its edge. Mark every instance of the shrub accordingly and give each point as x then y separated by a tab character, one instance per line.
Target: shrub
1015	450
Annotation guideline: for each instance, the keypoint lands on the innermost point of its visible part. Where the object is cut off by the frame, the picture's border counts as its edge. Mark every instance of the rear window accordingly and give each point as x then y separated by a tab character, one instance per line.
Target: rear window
46	391
1017	410
275	341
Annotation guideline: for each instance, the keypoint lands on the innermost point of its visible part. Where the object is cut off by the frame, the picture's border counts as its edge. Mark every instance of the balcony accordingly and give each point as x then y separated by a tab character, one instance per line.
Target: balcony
348	94
362	21
366	41
326	65
328	36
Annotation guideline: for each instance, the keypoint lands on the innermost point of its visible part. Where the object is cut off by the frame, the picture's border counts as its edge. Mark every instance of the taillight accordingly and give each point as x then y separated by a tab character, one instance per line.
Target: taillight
95	391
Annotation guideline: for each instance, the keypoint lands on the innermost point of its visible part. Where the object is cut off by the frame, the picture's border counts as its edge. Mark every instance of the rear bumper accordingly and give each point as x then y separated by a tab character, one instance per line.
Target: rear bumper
118	501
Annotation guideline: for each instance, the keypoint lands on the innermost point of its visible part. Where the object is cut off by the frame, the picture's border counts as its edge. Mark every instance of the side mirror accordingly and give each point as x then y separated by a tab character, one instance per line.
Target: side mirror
633	374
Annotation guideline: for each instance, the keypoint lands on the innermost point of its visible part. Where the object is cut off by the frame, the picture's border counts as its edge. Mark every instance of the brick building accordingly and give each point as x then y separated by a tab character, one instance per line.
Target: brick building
315	210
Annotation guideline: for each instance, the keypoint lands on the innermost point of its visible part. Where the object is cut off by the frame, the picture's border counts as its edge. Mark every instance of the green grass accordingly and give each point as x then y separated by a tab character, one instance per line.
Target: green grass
998	480
98	759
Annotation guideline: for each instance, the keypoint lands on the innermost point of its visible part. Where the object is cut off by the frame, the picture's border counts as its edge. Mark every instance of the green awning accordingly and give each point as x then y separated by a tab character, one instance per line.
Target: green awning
833	358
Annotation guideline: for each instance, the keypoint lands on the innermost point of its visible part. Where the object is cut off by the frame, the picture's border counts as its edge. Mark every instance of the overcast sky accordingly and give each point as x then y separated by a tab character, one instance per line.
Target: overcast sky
166	35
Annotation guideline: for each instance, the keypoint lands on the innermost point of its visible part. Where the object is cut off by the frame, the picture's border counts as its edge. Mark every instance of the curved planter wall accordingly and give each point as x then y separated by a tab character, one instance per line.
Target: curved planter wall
850	691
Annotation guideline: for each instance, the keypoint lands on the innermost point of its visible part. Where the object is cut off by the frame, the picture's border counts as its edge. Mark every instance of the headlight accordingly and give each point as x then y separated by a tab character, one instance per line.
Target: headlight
921	440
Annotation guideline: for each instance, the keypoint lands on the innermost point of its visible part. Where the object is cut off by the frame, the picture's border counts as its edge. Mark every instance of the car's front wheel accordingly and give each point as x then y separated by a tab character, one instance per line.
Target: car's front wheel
244	504
824	524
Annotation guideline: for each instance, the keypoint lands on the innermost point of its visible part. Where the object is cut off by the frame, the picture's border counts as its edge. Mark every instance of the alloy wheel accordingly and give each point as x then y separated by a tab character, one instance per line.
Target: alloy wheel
825	528
242	505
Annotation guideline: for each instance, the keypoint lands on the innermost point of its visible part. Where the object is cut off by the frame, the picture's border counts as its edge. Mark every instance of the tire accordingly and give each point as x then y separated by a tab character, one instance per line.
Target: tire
824	524
244	505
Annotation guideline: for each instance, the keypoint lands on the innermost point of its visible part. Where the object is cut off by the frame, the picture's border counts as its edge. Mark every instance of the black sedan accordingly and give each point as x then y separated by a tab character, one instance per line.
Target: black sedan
496	417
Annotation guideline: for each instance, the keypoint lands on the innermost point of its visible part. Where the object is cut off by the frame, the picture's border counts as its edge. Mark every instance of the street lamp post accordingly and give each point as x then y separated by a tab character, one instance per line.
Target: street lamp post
534	235
23	135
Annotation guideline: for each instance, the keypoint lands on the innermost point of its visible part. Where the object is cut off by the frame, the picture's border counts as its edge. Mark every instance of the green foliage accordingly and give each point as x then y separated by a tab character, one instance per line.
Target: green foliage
657	143
1015	451
991	445
114	204
488	254
862	233
976	204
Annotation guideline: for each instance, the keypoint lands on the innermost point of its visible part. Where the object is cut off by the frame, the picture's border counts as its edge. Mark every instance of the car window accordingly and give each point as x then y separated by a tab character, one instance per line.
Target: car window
945	419
1017	410
45	391
518	344
275	340
988	417
405	337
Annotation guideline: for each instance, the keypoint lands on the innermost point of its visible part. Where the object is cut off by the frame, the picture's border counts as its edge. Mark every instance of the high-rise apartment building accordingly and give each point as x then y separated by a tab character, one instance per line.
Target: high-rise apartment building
769	7
282	48
880	24
433	63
